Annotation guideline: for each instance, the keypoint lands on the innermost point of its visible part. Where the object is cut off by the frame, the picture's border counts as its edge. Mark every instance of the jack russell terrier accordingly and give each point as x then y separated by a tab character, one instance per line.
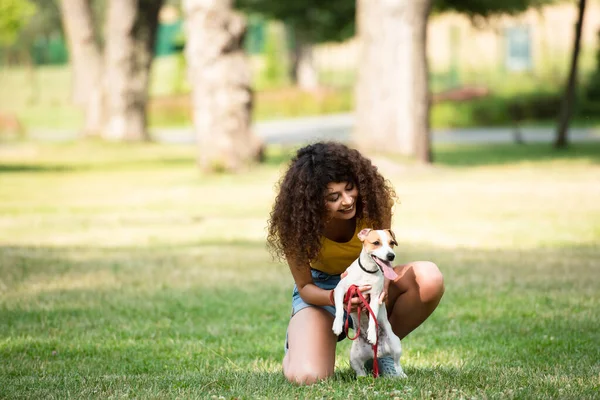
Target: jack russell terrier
370	268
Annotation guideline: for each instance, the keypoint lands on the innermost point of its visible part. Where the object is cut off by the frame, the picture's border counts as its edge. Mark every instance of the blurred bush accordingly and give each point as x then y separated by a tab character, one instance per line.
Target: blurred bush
534	107
497	110
276	70
591	97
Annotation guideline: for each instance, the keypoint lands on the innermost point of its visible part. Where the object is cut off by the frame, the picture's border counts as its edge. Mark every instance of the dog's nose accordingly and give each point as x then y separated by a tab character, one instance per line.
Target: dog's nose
390	256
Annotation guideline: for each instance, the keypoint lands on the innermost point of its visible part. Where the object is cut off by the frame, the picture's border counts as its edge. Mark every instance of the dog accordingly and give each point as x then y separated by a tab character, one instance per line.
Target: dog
370	268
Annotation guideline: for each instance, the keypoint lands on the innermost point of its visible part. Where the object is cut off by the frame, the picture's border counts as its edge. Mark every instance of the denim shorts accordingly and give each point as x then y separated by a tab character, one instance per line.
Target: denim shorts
324	281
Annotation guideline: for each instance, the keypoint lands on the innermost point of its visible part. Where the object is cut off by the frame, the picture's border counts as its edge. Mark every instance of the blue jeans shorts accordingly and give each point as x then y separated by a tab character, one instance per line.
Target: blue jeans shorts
324	281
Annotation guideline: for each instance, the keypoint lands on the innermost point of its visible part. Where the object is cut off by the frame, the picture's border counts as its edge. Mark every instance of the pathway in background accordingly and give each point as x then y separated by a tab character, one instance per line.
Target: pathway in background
339	127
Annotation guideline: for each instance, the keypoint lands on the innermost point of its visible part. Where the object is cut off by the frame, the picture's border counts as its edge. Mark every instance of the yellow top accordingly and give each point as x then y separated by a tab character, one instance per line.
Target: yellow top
335	257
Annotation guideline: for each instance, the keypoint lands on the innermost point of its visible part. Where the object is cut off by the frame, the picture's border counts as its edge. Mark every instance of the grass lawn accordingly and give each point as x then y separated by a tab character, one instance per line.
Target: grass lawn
126	273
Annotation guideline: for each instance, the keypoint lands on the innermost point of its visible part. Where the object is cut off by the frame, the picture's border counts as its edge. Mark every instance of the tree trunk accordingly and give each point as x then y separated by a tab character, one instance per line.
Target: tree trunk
392	92
86	62
130	36
304	73
569	96
220	76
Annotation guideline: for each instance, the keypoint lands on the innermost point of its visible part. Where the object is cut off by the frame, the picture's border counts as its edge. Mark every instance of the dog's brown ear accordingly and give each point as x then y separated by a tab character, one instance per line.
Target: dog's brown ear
362	235
391	233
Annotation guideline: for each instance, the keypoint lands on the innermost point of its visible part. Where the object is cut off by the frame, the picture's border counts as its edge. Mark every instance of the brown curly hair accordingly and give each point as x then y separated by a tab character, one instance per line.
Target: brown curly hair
299	214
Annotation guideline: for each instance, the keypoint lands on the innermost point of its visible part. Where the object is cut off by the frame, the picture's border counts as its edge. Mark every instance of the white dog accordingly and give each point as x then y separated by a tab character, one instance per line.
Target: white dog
370	268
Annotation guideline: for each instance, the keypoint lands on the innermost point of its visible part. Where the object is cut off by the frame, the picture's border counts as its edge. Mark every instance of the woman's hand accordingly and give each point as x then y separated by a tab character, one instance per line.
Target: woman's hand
355	300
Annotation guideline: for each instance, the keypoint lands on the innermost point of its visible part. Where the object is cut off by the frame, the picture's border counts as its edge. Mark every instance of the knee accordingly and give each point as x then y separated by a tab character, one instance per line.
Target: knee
305	375
430	281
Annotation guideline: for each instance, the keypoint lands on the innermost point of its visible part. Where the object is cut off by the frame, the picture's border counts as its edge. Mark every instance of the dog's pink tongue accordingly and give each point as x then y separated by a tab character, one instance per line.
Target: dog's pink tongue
389	273
387	269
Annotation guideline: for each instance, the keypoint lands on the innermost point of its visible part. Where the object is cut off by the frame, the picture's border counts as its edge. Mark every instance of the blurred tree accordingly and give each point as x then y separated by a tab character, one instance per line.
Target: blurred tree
314	21
113	84
392	96
392	101
86	62
310	22
220	76
129	49
14	14
392	93
566	110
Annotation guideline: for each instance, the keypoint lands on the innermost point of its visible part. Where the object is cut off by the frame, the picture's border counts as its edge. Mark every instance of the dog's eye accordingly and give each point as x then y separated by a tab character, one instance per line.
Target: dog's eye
393	244
376	243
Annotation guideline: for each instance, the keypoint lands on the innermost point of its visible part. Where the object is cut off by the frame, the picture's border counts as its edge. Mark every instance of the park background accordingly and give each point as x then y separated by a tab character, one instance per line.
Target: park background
515	59
127	271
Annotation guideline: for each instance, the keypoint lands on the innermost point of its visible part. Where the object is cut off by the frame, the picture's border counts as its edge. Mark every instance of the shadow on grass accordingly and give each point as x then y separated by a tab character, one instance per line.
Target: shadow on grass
466	155
36	168
455	155
470	155
43	167
274	155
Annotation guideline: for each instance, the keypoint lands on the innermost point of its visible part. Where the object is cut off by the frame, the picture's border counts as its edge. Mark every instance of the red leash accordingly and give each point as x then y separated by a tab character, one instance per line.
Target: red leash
353	291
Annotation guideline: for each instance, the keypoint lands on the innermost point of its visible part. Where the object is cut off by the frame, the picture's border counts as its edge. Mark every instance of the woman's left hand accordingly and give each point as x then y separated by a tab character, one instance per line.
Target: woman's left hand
383	296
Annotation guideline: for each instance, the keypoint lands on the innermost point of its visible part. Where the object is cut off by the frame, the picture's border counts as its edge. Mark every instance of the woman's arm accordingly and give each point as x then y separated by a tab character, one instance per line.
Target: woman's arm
309	292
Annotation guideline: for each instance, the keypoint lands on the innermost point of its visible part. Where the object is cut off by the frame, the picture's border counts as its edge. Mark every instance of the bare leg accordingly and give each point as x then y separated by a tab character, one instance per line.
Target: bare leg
311	353
414	296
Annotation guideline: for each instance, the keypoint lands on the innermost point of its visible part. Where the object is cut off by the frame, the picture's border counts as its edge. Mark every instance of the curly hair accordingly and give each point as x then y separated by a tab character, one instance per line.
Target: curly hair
299	214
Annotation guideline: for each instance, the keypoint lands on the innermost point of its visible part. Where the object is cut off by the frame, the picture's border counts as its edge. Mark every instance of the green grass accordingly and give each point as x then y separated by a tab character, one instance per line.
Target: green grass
126	273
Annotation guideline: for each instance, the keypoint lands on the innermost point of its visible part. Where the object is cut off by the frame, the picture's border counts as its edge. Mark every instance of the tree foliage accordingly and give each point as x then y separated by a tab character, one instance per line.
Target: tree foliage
317	20
45	20
322	21
14	14
486	8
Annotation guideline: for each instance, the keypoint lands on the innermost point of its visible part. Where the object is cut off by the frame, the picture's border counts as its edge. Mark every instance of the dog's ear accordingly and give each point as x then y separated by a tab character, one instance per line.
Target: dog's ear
362	235
391	233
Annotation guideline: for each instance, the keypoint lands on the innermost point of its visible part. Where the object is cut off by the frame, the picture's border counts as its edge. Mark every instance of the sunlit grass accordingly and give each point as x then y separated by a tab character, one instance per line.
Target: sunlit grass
126	272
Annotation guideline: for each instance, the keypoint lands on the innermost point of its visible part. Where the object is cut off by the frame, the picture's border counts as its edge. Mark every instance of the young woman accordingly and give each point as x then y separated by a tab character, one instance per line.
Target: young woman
328	194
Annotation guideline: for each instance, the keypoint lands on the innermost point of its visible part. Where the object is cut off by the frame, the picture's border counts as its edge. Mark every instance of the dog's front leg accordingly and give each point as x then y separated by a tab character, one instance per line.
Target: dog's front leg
372	330
338	298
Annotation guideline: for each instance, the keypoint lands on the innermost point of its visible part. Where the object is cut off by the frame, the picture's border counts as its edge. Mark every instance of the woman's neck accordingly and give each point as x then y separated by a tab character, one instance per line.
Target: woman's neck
340	230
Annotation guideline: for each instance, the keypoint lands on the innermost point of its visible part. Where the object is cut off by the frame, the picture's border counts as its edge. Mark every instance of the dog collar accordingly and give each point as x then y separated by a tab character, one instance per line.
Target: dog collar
363	268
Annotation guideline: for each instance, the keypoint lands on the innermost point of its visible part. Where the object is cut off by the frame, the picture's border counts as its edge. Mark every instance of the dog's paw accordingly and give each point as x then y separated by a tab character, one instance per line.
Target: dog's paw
338	326
401	373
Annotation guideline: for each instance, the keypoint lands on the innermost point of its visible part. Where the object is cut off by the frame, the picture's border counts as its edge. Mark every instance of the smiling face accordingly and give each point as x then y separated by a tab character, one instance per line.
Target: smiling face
340	200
